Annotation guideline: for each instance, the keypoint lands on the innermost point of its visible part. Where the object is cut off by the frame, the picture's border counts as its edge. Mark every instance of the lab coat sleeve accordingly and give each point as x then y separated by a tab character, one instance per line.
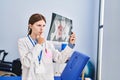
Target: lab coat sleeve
27	56
63	56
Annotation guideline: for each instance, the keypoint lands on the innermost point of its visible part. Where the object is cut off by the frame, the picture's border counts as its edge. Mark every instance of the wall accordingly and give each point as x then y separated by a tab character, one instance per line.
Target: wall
111	41
14	16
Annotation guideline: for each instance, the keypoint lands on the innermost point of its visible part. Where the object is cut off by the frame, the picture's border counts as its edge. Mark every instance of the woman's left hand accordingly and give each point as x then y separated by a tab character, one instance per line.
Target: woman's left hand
72	38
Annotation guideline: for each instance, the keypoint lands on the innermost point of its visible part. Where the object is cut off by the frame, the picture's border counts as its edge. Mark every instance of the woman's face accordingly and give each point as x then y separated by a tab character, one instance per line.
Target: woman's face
38	27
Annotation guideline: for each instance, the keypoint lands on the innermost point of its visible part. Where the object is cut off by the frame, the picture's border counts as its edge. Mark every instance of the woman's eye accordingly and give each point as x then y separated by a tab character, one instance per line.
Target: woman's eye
41	25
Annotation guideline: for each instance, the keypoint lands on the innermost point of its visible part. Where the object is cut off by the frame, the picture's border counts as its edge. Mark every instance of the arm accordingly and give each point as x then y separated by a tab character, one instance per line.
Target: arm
61	57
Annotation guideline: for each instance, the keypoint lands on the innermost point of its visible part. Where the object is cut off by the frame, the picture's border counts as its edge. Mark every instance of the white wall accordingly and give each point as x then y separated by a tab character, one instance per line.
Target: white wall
14	16
111	41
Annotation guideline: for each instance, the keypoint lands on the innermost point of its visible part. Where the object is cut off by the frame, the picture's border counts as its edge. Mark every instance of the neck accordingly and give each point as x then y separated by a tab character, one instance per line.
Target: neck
34	37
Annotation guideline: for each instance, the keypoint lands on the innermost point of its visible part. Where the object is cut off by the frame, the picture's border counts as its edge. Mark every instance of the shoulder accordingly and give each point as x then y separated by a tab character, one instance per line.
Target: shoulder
22	39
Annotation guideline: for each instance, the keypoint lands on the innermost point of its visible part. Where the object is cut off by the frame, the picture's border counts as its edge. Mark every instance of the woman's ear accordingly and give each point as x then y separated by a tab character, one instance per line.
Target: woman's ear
30	26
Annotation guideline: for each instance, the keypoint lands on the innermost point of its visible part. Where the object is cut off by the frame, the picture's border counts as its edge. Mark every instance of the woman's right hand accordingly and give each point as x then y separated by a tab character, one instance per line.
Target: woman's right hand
40	39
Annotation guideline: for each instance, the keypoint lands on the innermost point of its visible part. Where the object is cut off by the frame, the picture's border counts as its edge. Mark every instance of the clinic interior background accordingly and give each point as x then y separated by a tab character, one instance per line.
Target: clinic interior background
14	16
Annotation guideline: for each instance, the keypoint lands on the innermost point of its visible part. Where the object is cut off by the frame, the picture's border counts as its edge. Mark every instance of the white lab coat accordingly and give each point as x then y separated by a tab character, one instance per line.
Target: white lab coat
31	69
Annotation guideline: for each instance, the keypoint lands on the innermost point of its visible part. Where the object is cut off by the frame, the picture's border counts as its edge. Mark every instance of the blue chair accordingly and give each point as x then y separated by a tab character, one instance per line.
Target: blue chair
74	67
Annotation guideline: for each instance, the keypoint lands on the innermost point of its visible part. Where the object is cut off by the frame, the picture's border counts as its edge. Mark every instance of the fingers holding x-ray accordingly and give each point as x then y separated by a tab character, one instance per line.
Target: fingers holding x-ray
72	38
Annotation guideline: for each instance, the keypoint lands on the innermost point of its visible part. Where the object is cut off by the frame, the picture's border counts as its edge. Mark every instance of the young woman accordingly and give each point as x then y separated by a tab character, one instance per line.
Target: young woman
37	54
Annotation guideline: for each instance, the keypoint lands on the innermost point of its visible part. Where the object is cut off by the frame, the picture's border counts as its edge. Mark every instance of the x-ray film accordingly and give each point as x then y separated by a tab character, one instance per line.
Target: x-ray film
60	28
